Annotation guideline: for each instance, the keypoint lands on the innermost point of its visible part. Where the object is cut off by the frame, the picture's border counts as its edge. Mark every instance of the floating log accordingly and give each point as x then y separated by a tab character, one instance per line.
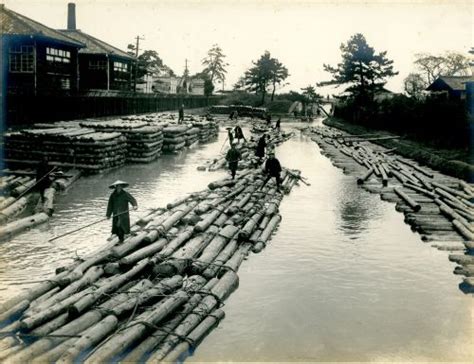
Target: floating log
91	276
195	336
365	177
452	191
141	352
226	285
414	205
13	209
213	248
266	233
413	187
48	205
463	230
89	300
7	316
15	227
137	329
156	247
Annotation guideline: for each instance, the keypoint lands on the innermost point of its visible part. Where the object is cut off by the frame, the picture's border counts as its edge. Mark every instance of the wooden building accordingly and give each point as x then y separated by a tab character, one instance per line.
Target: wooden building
453	87
36	59
101	65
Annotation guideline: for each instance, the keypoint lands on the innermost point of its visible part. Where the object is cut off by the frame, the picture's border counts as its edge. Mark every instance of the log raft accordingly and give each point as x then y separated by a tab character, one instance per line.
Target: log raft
145	299
440	208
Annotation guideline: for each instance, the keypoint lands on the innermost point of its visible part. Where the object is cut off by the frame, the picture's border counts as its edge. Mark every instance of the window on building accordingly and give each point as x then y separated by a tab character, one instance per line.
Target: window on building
97	65
55	55
120	67
22	59
65	83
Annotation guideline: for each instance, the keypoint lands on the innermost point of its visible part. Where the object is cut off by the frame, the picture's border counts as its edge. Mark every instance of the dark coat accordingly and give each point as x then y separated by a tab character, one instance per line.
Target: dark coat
233	155
118	202
239	134
260	150
273	167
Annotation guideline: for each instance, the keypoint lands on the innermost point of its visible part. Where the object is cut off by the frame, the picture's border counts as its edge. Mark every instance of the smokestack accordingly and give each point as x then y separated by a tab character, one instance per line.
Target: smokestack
71	16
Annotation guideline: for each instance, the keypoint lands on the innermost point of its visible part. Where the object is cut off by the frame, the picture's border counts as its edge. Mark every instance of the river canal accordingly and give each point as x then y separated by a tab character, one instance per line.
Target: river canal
343	279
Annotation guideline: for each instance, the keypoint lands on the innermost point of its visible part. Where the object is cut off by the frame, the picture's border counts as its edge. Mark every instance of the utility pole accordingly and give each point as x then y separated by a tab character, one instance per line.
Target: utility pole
138	39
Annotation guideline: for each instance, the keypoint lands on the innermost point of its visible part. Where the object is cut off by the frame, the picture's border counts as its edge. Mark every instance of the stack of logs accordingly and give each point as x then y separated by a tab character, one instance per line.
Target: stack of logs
154	296
82	148
144	142
175	138
437	206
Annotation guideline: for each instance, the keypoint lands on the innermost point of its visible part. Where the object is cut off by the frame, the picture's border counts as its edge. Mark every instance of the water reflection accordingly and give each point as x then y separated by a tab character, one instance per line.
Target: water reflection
355	210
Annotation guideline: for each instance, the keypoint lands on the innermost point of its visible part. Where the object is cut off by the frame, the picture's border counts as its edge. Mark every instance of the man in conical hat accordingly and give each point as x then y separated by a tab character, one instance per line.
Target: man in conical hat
118	209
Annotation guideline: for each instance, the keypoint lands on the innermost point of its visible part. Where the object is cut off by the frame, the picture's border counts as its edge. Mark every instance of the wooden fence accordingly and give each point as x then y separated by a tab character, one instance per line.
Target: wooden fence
28	109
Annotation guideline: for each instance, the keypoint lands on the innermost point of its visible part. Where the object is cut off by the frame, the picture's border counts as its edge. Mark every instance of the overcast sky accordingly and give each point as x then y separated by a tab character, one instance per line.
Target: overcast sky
302	34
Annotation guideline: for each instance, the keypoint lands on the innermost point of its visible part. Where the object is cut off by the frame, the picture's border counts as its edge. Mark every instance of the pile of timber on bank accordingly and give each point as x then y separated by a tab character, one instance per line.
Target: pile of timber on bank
149	298
144	142
71	147
439	207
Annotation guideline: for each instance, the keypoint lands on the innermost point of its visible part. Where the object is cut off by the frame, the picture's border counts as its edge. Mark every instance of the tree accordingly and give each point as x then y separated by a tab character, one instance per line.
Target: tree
214	64
266	72
414	85
149	62
431	66
362	68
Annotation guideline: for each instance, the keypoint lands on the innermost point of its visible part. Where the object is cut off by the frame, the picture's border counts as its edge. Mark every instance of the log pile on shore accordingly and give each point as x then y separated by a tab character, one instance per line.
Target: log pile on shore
157	294
439	207
74	147
144	142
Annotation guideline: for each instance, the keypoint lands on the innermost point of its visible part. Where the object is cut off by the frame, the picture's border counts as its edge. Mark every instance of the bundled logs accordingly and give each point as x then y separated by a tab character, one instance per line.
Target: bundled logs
439	207
158	293
81	148
174	138
144	142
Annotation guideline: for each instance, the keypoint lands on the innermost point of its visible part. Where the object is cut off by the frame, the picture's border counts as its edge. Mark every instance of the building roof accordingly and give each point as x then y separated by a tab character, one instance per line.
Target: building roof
94	45
12	23
455	83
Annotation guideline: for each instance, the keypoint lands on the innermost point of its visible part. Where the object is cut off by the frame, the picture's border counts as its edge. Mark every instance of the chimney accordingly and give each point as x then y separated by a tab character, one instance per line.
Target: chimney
71	16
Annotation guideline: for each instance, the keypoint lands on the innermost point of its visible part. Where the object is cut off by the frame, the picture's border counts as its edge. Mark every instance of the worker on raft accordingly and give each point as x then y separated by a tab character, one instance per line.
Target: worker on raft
230	136
277	124
272	169
118	208
43	172
181	114
260	149
232	157
239	134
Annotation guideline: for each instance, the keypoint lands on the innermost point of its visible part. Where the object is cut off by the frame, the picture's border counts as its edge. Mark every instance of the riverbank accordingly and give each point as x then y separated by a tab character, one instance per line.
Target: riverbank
451	162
